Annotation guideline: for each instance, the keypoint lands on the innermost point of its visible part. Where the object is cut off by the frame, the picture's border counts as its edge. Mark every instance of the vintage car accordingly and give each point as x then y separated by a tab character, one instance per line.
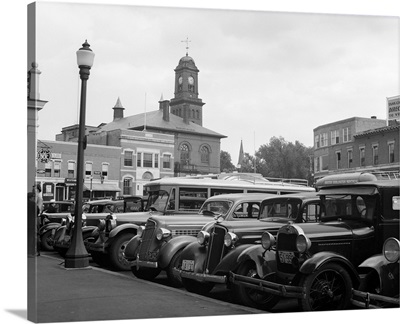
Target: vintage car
159	244
379	278
317	262
51	218
93	212
229	246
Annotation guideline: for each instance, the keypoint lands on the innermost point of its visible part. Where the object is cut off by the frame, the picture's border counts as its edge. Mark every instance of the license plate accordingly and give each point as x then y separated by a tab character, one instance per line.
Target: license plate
188	265
286	257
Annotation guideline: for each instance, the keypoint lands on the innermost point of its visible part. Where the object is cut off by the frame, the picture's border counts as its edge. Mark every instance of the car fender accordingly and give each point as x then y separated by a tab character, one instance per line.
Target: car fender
60	233
198	253
319	259
264	259
169	249
48	227
126	228
131	247
86	229
232	260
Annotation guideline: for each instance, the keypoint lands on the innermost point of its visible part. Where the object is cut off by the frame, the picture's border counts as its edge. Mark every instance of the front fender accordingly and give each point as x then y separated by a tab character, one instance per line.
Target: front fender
48	227
264	259
131	228
232	259
131	247
169	249
198	253
317	260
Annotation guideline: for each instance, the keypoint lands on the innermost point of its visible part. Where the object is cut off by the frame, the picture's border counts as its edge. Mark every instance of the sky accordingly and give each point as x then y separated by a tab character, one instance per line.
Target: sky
262	73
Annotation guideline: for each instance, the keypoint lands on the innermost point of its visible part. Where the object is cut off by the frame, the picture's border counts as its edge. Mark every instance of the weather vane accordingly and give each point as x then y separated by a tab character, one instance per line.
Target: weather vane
187	45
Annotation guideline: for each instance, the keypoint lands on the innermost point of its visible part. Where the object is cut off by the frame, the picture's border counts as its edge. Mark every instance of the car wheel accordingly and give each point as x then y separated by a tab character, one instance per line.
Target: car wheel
252	297
117	248
197	287
45	241
328	288
145	273
174	279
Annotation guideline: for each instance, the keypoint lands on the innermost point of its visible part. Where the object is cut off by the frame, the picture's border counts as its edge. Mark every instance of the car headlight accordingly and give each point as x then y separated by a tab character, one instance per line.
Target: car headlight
140	231
267	240
101	225
303	243
111	223
230	239
162	233
391	249
202	237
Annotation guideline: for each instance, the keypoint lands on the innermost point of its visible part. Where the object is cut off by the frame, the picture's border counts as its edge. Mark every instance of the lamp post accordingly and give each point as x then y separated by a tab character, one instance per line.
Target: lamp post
77	256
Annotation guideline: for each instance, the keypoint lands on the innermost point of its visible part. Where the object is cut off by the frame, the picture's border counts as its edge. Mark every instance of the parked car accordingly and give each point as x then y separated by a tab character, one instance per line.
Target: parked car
317	262
93	212
379	278
159	244
230	246
51	218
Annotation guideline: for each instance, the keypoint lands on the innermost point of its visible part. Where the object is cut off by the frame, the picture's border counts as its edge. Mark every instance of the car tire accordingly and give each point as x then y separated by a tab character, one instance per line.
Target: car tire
145	273
193	286
174	279
44	243
252	297
116	250
328	288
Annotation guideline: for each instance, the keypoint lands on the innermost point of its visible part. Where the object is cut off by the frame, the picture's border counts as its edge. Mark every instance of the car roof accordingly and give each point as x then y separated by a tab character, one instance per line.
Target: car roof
242	196
299	195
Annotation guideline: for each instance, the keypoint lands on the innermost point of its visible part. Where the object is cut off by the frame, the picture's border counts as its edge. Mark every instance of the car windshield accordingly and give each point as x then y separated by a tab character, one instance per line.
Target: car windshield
348	207
216	208
157	200
281	208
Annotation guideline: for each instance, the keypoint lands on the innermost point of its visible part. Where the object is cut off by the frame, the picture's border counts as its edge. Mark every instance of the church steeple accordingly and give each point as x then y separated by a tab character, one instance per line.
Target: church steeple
187	90
118	110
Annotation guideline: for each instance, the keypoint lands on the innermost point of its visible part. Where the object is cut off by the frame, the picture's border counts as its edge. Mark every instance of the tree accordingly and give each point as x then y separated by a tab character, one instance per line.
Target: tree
226	162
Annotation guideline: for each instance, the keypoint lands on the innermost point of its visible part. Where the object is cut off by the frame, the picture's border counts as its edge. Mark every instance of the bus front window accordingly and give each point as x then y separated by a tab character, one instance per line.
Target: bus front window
157	200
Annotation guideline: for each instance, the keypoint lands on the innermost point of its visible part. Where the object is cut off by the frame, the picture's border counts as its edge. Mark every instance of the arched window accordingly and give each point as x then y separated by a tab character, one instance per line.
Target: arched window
205	154
185	153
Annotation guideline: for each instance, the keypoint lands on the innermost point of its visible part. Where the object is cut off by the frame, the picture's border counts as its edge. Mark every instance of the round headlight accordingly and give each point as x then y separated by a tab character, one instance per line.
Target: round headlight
391	249
303	243
230	239
162	233
202	237
267	240
140	231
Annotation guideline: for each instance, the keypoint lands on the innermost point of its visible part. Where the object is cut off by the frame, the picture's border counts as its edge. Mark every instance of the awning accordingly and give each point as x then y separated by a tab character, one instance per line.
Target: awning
102	187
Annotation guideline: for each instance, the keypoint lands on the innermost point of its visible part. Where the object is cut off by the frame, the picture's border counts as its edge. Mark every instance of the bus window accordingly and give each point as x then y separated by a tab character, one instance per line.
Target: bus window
191	199
220	191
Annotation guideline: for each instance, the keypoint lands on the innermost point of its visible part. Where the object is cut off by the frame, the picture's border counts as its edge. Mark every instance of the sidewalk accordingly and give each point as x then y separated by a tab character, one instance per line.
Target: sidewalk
93	294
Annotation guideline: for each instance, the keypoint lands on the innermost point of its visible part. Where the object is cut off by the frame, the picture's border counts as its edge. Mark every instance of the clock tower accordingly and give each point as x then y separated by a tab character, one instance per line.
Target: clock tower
186	103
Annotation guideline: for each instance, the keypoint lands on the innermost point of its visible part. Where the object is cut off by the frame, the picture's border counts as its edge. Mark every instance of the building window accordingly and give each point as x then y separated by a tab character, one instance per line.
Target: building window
349	158
375	154
321	163
166	161
128	158
47	169
71	169
316	141
156	160
104	170
362	156
147	160
185	153
346	135
338	158
324	139
205	154
57	169
88	169
334	137
139	159
127	186
391	152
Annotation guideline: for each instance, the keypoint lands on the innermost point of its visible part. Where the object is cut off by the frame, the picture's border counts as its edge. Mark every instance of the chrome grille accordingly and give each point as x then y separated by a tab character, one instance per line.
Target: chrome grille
216	247
287	243
185	232
148	237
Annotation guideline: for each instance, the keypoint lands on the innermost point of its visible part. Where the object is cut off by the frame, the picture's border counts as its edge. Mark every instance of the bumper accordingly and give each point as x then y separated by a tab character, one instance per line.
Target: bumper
367	300
96	247
201	277
267	286
144	264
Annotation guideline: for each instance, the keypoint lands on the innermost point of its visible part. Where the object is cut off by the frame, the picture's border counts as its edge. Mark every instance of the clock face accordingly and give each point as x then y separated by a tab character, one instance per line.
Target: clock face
180	80
191	80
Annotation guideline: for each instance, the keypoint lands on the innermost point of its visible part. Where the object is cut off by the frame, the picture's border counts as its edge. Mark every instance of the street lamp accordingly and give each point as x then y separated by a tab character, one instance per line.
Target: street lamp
77	256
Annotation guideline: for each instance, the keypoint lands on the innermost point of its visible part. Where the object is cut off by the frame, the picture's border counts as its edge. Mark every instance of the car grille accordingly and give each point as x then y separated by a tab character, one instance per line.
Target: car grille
216	247
148	237
185	232
287	243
